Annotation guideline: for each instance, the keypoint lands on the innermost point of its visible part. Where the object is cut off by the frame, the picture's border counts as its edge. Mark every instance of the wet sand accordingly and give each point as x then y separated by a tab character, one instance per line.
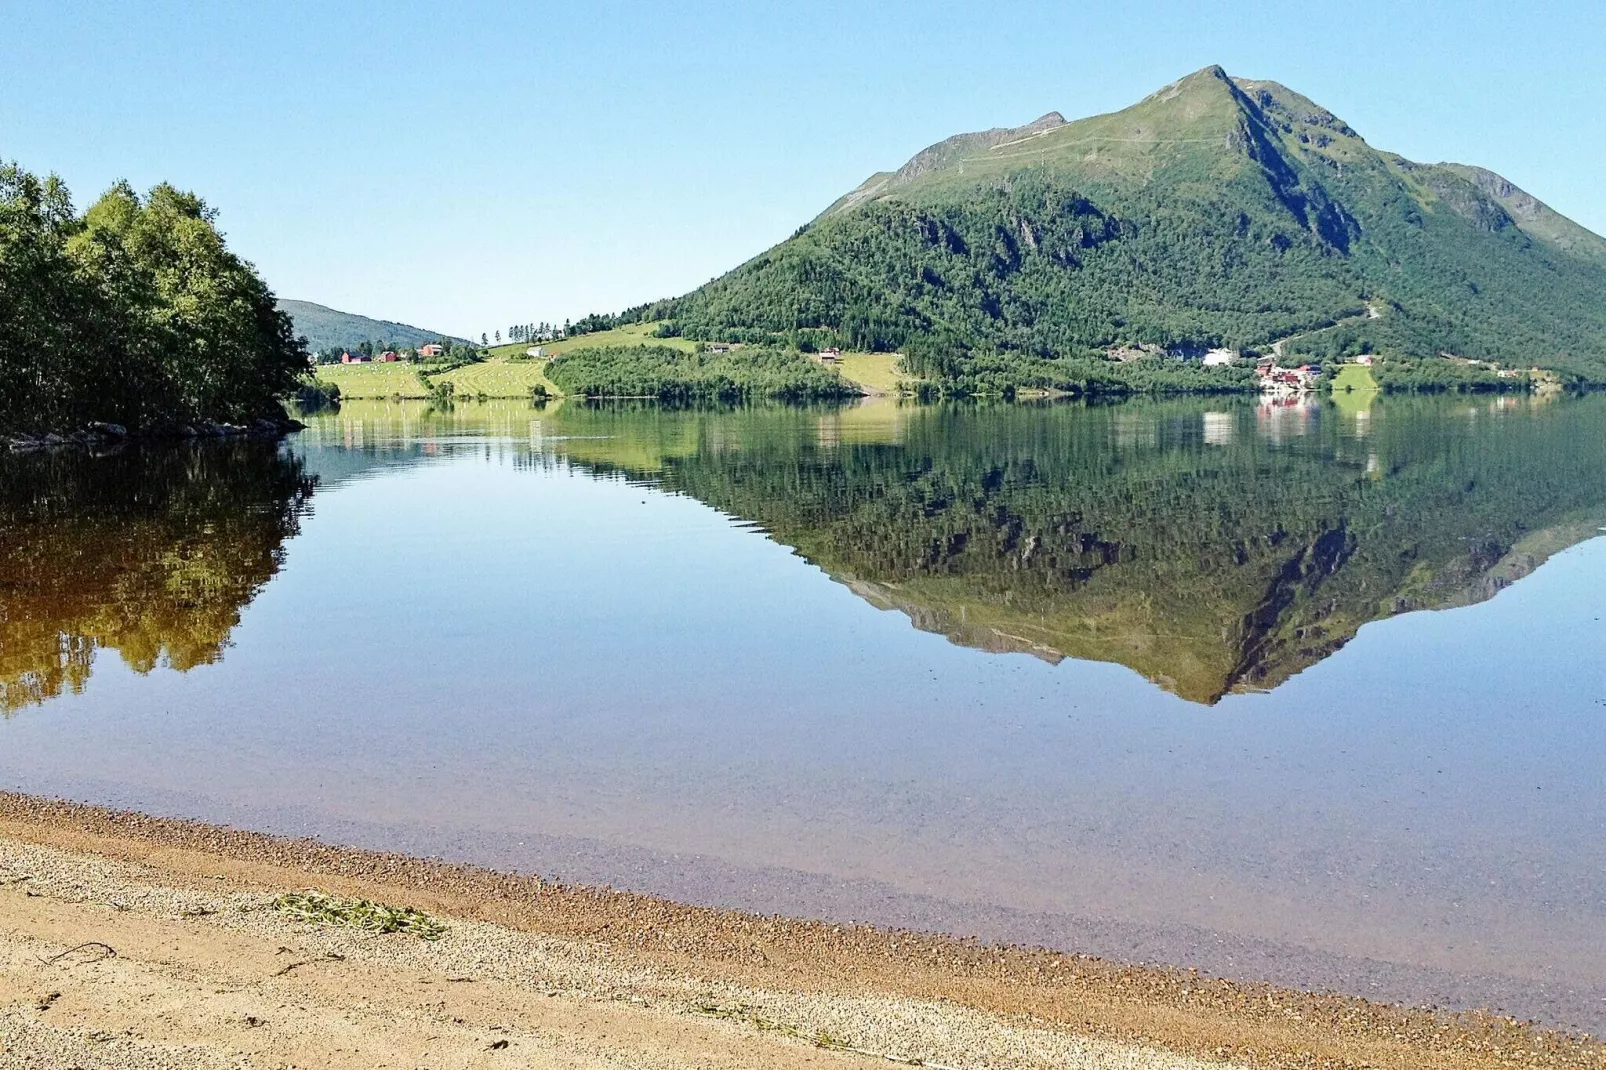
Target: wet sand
127	940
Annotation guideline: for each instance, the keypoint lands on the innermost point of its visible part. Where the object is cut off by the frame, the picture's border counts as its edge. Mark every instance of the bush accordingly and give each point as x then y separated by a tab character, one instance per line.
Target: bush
313	395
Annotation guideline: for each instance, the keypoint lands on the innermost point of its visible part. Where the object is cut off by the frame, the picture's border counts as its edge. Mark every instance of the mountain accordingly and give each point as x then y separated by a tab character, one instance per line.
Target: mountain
326	327
1218	211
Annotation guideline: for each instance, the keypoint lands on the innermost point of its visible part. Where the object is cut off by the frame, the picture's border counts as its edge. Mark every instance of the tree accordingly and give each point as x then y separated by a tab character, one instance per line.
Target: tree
136	313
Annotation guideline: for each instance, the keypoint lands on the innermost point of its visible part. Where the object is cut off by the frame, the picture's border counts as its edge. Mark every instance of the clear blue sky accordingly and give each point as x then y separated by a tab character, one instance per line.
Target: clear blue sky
469	165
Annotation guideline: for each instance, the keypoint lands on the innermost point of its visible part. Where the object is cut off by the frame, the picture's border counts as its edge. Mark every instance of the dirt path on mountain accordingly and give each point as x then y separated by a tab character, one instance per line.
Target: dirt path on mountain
128	941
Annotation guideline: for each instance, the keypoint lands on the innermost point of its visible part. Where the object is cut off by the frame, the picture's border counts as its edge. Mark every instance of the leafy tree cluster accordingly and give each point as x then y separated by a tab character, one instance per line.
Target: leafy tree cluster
533	332
134	312
674	375
954	371
314	394
1442	376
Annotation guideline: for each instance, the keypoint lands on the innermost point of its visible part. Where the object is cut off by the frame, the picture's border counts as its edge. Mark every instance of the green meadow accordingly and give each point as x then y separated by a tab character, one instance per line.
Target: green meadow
509	373
876	373
631	334
374	380
1356	377
495	378
498	379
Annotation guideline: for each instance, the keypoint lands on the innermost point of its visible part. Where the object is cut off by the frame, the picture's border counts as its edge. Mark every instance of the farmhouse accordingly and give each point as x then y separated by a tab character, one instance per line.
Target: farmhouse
831	355
535	351
389	356
355	358
430	350
1275	380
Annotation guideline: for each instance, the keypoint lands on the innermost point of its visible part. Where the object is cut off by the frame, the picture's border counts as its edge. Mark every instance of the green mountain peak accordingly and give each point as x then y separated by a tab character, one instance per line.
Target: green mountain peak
1215	212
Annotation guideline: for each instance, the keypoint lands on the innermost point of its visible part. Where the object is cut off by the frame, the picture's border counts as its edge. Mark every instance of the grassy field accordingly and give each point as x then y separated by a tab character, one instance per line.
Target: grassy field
493	379
631	334
373	380
496	378
1355	377
503	376
1354	389
877	373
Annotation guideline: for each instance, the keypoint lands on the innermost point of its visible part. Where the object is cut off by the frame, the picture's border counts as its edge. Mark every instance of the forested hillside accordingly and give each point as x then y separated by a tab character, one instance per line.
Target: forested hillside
325	327
1216	212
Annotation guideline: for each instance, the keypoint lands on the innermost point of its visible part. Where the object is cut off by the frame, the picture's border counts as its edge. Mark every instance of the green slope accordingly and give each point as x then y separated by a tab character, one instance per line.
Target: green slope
1215	212
326	327
1535	217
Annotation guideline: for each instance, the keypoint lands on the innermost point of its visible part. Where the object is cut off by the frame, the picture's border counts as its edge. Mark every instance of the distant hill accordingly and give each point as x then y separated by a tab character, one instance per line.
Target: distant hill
1218	211
326	327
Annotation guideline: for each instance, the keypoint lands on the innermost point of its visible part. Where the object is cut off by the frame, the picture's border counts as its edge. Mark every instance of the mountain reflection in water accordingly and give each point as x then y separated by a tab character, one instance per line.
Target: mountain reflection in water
1212	547
151	552
518	637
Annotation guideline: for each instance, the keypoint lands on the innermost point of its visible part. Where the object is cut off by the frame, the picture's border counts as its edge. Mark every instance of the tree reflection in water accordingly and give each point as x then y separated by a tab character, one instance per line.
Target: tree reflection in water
152	552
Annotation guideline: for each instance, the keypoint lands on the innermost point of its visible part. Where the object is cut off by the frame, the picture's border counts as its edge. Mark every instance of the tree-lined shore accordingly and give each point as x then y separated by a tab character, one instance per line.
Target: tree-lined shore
134	314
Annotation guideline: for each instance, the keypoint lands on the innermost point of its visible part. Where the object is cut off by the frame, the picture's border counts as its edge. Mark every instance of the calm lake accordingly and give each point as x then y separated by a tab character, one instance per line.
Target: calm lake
1311	694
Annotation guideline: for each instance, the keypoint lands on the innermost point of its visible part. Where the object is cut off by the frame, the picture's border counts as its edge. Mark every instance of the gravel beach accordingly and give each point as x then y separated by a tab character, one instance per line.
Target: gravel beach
132	941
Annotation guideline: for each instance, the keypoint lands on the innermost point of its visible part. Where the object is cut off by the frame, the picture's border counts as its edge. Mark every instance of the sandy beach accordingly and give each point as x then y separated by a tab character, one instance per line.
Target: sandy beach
131	941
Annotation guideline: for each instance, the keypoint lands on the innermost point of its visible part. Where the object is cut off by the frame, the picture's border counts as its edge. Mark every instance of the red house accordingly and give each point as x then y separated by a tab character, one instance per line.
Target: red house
354	358
388	356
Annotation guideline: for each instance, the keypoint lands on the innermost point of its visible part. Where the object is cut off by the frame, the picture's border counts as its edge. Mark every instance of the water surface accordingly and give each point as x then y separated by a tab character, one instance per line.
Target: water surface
1302	693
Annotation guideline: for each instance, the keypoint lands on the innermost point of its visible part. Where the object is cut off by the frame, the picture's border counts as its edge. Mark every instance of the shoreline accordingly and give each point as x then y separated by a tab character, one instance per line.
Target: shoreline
782	983
105	436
